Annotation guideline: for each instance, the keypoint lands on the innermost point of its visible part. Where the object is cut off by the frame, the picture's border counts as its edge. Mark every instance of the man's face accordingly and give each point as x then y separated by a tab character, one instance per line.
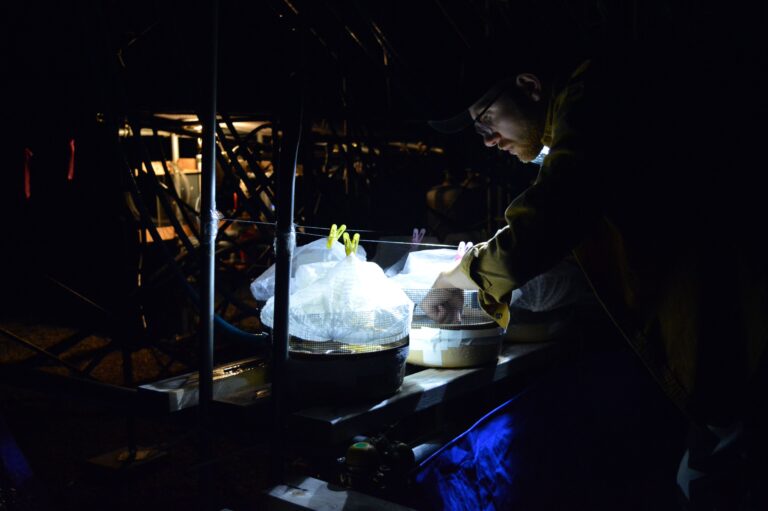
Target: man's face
512	119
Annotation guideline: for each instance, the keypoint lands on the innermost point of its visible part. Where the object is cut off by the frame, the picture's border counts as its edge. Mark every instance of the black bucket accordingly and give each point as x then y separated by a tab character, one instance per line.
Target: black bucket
339	374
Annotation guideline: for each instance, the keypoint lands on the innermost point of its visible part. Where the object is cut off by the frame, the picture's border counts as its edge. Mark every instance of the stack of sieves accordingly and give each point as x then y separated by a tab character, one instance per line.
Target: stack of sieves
472	341
348	334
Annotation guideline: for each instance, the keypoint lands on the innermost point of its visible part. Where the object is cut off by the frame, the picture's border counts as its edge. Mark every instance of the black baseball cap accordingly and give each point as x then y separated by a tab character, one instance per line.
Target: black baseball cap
481	68
477	73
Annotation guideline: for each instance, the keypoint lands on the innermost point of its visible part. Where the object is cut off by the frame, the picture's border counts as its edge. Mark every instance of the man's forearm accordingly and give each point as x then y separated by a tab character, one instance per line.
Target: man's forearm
455	278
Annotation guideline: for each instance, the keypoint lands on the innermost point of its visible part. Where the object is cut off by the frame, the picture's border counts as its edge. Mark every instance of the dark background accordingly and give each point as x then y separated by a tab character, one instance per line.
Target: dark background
65	65
78	69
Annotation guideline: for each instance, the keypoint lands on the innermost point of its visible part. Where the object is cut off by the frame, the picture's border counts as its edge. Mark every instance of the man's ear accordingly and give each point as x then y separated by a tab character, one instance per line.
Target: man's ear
530	84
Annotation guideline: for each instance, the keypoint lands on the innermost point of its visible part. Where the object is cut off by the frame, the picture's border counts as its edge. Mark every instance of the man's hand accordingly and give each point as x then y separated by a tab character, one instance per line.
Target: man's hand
445	301
444	305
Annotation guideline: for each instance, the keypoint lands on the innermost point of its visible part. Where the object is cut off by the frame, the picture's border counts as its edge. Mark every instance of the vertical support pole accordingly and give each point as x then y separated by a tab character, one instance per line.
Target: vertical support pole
208	228
130	420
174	149
285	242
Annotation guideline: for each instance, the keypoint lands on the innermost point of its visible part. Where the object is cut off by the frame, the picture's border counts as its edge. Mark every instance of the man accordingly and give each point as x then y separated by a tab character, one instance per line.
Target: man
636	186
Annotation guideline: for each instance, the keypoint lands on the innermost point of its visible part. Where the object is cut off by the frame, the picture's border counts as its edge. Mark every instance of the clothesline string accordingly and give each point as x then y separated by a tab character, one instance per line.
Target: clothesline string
242	221
388	242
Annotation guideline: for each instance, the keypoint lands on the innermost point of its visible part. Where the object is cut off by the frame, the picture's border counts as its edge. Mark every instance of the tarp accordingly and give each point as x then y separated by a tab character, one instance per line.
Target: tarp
596	434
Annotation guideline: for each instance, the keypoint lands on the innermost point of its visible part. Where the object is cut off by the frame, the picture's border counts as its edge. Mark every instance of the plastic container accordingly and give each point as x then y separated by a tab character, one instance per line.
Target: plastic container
474	341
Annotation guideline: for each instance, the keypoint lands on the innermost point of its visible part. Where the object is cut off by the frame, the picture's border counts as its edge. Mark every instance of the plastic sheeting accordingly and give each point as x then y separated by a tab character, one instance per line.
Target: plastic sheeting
563	285
421	270
595	434
353	303
422	267
263	287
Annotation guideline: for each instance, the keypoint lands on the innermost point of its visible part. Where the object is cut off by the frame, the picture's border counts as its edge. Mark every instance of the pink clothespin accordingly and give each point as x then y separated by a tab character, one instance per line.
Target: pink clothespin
461	250
71	167
27	173
418	235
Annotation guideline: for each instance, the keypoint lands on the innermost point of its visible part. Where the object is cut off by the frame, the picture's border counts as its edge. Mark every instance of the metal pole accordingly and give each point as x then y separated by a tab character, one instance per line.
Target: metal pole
209	228
285	242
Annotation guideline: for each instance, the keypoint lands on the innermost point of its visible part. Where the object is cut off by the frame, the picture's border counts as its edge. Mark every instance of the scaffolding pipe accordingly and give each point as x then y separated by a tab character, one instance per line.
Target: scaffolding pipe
285	242
209	228
209	221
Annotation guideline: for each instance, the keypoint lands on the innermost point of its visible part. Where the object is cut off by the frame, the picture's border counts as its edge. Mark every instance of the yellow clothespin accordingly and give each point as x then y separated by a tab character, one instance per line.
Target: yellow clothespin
350	246
335	234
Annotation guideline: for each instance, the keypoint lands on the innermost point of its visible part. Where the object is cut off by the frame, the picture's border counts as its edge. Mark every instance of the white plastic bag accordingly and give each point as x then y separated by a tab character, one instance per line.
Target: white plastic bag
354	303
263	287
306	274
562	285
421	270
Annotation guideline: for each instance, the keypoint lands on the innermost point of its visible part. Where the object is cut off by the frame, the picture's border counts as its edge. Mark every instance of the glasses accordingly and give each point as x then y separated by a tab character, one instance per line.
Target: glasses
481	128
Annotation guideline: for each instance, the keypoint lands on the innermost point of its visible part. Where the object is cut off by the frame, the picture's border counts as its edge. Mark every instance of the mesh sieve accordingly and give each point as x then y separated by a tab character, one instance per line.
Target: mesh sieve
472	315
